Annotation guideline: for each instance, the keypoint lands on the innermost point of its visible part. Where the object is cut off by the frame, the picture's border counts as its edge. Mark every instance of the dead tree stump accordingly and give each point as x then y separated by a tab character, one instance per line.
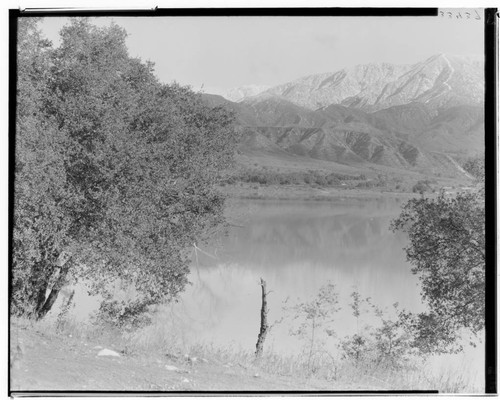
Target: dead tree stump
264	327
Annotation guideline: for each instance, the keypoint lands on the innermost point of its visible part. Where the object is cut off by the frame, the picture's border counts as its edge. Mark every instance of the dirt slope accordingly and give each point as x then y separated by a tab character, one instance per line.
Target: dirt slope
58	363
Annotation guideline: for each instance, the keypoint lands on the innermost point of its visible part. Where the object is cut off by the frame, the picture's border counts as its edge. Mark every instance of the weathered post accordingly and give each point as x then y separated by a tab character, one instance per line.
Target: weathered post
264	327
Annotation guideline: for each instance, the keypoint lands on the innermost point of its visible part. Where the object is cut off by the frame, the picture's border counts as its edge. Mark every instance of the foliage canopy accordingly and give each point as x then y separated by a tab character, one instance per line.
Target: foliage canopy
114	171
447	251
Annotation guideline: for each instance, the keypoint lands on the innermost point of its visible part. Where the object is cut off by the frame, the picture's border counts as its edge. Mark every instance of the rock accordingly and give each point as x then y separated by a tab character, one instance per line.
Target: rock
185	380
204	360
171	368
107	352
183	371
190	359
256	375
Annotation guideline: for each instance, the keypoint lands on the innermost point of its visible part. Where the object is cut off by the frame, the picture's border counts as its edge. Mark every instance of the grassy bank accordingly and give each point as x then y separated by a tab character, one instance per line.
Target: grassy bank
45	357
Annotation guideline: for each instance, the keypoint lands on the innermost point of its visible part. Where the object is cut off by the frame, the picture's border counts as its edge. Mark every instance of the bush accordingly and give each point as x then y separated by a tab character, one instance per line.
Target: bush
366	185
388	342
126	315
321	180
475	167
332	179
422	186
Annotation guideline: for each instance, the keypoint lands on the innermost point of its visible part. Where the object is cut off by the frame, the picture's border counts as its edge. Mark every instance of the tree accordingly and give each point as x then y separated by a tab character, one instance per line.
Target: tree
475	167
136	163
447	251
40	192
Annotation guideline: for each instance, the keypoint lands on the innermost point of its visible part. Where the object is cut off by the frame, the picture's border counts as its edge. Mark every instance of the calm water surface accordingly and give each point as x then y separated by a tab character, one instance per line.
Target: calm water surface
296	247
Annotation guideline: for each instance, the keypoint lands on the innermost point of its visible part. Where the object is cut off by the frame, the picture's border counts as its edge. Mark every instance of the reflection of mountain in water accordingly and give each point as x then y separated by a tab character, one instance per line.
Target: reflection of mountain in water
324	233
297	248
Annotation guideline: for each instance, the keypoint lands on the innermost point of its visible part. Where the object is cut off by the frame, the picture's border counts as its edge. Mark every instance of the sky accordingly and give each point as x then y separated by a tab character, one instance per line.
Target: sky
220	53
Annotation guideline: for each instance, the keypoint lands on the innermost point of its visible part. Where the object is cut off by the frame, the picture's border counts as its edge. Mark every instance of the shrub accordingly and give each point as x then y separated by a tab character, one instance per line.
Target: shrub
422	186
122	314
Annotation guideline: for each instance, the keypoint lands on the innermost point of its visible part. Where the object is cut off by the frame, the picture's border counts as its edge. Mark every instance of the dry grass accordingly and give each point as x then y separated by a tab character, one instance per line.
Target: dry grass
164	340
443	373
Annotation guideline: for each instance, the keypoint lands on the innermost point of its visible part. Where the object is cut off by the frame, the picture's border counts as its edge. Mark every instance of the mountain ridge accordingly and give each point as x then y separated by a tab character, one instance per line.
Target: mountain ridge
239	93
440	80
419	117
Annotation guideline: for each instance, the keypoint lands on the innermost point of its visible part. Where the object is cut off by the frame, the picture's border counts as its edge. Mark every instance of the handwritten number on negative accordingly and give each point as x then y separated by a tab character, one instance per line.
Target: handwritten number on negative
459	14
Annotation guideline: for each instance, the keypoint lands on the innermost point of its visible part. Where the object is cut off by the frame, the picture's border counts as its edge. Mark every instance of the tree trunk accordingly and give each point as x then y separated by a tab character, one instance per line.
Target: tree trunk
264	327
40	296
54	292
39	282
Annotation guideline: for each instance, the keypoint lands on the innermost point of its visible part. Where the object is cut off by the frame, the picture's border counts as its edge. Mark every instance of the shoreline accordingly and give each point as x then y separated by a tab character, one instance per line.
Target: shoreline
307	193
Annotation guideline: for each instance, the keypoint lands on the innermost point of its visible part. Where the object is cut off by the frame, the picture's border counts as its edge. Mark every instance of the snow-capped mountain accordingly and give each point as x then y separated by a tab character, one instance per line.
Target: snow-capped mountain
416	117
239	93
440	81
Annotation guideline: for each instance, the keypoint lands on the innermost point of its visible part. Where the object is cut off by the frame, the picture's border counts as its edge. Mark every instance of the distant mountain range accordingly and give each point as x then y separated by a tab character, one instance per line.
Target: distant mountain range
242	92
418	117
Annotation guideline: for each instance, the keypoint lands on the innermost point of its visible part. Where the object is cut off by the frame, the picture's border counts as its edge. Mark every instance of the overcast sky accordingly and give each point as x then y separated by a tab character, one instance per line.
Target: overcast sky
225	52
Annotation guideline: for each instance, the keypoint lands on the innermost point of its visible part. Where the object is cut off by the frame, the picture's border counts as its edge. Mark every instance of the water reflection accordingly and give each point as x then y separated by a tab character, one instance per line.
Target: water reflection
297	247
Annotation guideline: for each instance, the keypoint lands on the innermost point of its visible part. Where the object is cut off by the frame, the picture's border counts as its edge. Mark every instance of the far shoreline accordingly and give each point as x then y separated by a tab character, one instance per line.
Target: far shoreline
308	193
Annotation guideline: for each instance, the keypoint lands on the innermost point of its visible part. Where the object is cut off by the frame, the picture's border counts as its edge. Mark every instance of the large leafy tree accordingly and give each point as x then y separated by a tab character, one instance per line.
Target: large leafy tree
447	251
40	225
132	167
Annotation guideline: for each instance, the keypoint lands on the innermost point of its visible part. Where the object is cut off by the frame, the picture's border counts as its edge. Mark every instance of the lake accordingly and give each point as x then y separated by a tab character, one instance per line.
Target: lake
296	247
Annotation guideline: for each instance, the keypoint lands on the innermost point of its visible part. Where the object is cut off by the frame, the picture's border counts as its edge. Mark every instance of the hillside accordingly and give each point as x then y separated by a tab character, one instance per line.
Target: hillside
419	117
